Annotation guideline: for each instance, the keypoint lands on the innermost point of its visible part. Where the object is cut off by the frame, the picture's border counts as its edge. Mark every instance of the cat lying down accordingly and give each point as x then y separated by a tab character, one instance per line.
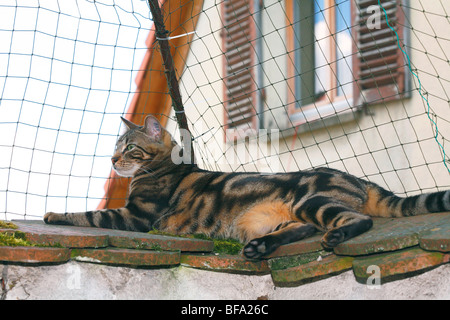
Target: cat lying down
264	211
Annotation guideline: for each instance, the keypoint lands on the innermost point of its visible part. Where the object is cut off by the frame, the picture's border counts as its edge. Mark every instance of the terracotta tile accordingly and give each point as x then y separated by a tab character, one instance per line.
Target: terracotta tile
285	262
327	266
307	245
34	255
38	232
83	237
124	239
436	239
392	234
127	257
400	262
225	263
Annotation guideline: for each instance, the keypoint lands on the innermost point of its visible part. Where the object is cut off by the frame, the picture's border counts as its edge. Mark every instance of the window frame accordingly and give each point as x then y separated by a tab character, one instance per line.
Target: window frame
329	104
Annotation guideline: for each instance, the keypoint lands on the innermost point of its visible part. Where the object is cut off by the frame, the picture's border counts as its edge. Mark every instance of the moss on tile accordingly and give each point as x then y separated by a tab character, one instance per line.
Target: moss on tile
221	246
227	246
162	233
280	263
19	239
16	239
7	225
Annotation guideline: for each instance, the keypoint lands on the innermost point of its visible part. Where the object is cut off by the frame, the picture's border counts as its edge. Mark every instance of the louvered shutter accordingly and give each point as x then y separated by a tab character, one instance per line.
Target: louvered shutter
380	69
239	71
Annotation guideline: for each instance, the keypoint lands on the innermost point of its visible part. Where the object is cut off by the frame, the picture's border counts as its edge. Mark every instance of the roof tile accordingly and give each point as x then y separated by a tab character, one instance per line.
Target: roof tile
393	234
225	263
34	255
322	267
436	239
127	257
400	262
70	237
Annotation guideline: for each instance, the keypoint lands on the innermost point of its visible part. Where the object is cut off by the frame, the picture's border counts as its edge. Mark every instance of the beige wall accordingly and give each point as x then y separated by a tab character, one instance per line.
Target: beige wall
393	145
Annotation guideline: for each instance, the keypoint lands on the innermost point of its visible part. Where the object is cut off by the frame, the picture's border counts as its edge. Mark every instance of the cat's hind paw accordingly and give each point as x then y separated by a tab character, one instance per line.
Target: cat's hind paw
332	238
259	247
254	249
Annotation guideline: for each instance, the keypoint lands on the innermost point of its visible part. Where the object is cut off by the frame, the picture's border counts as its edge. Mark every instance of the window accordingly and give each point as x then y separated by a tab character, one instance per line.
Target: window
342	63
322	69
335	61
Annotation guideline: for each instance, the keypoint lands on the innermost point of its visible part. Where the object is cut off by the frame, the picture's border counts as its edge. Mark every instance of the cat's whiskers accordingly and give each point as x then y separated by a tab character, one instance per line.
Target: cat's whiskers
147	170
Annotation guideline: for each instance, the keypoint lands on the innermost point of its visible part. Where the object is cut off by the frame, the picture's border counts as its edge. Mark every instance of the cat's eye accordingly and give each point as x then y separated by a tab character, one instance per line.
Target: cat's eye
131	147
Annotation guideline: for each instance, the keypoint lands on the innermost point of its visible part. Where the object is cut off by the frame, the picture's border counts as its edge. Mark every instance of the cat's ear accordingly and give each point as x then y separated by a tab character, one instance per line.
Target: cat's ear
153	128
130	125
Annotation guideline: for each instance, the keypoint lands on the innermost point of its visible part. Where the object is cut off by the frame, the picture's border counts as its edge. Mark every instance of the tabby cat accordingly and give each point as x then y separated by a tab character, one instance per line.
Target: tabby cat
264	211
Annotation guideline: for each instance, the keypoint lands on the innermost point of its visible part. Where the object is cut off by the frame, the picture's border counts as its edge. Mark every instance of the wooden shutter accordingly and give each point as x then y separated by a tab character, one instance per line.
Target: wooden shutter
379	66
239	64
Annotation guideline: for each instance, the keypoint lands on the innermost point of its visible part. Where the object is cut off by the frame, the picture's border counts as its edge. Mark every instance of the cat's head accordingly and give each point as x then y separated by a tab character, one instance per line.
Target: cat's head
142	147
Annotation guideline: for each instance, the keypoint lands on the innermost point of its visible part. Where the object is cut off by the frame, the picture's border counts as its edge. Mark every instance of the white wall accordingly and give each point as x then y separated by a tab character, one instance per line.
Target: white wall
75	280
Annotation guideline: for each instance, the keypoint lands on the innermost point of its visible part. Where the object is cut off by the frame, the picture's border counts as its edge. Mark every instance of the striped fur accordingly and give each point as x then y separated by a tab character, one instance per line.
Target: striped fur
264	211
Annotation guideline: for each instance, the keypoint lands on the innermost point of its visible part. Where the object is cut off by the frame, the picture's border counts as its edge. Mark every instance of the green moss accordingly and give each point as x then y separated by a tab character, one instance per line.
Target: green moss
147	246
47	245
227	246
280	263
162	233
16	239
19	239
7	225
221	246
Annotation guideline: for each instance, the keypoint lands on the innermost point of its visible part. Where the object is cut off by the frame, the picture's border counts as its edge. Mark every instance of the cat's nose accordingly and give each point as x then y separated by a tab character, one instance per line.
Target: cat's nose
114	160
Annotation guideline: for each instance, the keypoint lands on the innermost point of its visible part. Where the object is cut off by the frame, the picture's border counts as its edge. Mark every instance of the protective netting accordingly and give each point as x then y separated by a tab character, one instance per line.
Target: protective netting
266	85
67	71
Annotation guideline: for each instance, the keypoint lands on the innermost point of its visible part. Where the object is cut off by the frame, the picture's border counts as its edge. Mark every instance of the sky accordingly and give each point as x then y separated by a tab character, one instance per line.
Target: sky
67	70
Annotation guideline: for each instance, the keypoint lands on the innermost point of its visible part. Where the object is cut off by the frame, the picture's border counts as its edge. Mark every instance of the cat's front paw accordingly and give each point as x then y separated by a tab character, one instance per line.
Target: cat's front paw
54	218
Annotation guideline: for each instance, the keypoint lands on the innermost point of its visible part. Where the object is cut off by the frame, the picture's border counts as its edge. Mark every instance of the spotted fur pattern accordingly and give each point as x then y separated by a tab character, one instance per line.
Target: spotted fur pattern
264	211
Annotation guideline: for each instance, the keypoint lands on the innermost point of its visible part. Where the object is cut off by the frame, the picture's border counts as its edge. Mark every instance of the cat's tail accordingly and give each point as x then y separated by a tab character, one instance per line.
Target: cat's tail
382	203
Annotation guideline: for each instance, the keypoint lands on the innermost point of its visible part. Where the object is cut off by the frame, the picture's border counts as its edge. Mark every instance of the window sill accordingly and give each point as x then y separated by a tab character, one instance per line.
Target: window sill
315	117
